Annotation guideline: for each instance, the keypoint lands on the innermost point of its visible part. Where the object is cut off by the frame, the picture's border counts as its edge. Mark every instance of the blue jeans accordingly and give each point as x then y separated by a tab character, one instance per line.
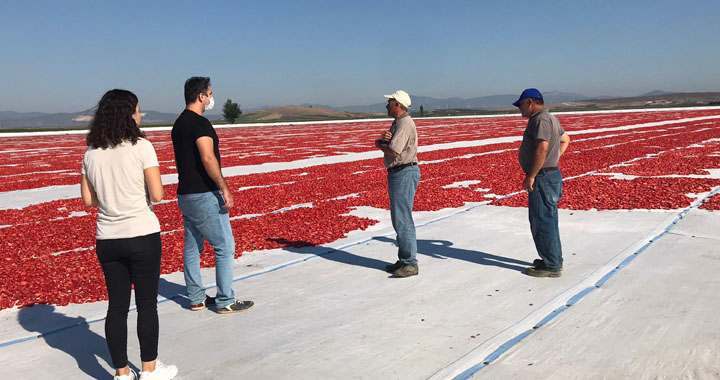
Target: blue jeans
402	186
543	215
204	218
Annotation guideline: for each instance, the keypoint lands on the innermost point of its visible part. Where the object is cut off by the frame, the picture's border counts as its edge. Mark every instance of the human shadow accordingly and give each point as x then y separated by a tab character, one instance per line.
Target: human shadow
441	249
329	253
173	292
70	335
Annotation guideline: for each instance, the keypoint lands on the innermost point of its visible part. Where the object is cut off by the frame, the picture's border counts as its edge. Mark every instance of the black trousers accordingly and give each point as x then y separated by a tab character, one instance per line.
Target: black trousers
125	262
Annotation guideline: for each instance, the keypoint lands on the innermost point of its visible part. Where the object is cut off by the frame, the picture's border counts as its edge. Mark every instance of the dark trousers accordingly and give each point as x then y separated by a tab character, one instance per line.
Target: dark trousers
125	262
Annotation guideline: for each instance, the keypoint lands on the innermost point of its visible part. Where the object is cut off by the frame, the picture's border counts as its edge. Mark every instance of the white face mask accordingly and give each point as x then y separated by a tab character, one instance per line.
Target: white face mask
210	105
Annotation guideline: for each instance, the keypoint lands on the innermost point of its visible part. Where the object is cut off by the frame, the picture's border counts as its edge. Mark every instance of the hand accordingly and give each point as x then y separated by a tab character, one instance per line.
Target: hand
386	136
528	184
228	198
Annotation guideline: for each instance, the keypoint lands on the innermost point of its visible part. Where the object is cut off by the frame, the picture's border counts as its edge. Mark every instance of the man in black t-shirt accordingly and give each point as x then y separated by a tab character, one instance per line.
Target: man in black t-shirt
204	199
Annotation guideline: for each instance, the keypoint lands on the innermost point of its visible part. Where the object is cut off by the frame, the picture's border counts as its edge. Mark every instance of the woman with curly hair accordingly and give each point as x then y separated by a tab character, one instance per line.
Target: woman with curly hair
121	176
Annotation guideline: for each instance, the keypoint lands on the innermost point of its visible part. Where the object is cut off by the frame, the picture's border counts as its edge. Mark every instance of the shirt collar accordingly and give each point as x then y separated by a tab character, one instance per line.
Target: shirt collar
538	112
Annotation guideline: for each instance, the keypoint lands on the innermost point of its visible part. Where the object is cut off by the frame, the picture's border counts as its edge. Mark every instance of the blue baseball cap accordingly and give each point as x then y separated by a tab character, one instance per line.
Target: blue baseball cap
528	93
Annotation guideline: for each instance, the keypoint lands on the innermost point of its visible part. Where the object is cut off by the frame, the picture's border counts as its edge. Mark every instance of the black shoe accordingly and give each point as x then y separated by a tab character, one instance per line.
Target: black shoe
393	267
209	301
540	264
406	271
235	307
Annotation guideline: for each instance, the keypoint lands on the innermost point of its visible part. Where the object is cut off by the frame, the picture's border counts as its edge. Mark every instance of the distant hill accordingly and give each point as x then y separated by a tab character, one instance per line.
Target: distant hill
478	103
664	99
657	92
10	119
432	106
302	113
39	120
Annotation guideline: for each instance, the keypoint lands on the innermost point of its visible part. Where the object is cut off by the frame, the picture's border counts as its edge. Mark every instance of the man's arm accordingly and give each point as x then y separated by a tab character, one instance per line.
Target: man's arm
538	161
564	142
382	144
212	167
400	139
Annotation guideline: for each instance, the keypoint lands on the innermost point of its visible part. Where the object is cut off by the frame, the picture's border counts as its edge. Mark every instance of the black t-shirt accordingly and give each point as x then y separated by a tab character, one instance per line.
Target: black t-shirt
192	177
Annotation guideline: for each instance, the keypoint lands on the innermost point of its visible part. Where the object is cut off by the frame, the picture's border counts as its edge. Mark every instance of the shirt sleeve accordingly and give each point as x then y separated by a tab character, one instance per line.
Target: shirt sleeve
544	130
83	168
400	139
147	153
202	130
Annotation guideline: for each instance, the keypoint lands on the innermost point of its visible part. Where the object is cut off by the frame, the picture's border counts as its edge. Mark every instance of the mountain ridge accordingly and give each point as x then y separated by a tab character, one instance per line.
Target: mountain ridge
559	100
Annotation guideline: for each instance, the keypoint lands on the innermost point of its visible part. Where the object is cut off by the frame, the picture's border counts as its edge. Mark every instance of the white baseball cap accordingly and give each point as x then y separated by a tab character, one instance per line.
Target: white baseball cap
401	97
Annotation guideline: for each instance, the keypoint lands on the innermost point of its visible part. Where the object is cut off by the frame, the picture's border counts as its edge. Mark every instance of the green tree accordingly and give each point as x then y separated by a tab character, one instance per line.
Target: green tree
231	111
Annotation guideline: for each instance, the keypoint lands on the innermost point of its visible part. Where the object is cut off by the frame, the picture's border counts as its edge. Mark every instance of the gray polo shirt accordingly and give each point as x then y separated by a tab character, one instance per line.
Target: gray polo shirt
404	141
541	126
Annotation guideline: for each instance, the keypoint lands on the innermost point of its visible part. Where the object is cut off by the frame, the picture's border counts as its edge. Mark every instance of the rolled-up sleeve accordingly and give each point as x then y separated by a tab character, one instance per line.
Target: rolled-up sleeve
400	139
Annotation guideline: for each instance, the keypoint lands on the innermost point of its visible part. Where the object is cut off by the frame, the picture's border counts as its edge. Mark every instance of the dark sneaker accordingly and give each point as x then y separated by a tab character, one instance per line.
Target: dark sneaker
540	264
209	301
537	272
406	271
393	267
235	307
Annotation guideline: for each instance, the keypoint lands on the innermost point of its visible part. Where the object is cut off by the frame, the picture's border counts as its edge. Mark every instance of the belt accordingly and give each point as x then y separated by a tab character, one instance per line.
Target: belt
548	170
400	167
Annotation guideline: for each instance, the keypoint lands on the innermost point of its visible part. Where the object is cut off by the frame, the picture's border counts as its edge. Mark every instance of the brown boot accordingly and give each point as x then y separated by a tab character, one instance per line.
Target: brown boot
406	271
536	272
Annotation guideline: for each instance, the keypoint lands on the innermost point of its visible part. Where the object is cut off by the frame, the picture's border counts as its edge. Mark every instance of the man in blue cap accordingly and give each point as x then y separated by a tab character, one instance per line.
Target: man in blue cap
544	141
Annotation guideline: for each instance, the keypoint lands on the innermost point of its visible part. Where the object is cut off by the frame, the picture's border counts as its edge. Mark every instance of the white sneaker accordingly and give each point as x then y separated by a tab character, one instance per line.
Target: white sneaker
161	372
130	376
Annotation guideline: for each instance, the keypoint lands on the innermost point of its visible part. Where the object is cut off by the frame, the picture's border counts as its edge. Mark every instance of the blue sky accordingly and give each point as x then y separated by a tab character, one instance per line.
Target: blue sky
62	56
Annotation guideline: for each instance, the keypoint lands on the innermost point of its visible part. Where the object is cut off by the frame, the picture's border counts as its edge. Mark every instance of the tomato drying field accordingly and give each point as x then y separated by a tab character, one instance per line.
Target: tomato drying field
654	160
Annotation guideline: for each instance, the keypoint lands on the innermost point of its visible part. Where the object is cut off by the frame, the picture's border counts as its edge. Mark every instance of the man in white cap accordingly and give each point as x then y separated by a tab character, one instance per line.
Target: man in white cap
400	144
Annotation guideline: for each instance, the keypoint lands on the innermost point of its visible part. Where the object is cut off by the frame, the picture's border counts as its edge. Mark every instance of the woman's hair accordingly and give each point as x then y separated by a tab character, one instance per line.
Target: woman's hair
113	122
